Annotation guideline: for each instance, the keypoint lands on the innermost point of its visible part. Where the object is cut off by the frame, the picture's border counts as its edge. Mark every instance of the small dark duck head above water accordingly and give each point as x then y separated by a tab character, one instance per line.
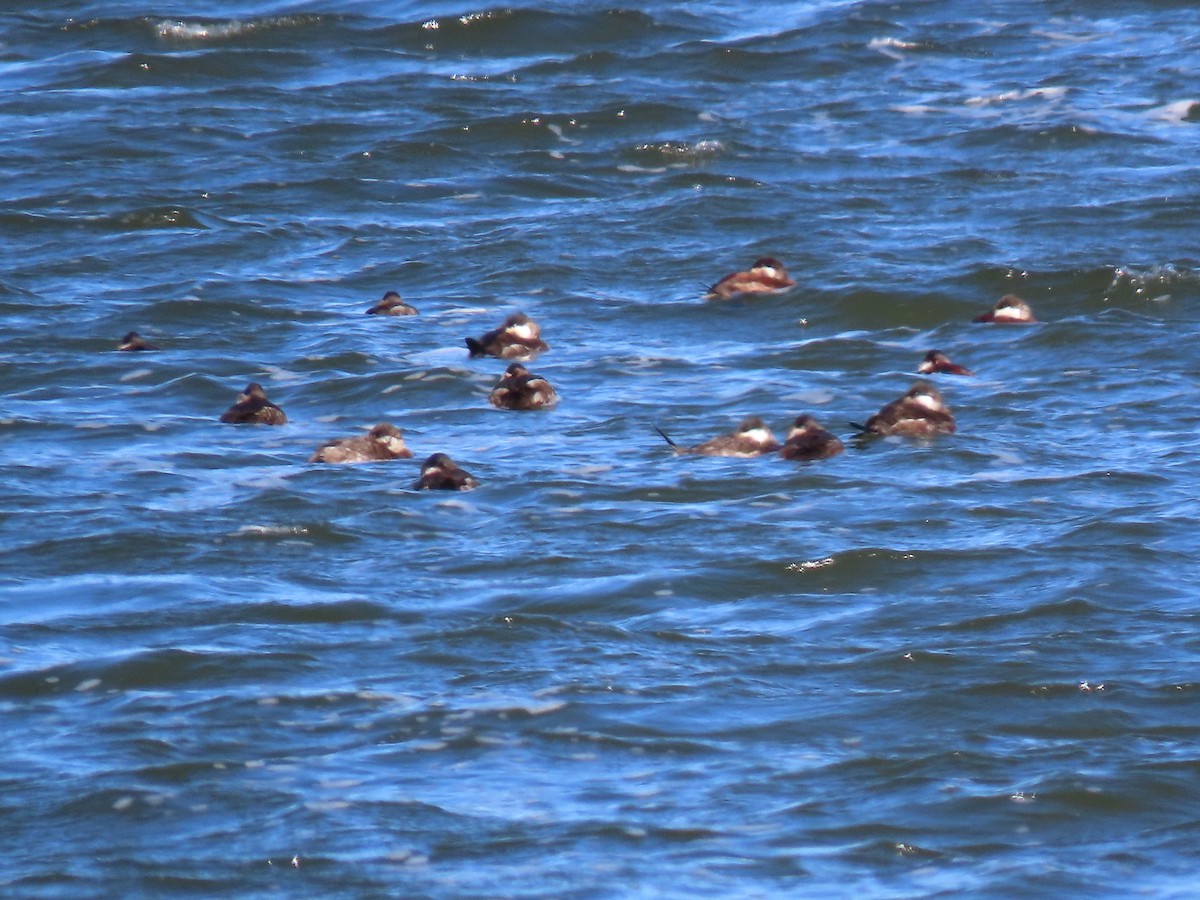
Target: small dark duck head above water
392	304
766	276
937	361
253	408
383	442
441	473
133	342
1009	310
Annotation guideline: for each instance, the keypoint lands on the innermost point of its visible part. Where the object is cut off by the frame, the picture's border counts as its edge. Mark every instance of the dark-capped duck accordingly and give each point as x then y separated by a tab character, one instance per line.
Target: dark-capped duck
441	473
134	342
518	338
392	304
766	276
920	412
521	389
382	442
752	438
253	408
1009	310
937	361
808	440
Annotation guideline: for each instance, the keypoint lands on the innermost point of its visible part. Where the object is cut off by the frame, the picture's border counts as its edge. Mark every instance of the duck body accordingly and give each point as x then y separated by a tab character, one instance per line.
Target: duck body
133	342
253	408
521	389
392	304
383	442
751	438
807	440
518	338
766	276
1009	310
440	473
920	412
937	361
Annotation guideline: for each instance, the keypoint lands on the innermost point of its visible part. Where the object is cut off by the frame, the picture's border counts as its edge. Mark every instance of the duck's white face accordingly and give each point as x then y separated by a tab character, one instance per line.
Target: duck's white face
931	363
929	402
758	435
767	271
526	332
394	444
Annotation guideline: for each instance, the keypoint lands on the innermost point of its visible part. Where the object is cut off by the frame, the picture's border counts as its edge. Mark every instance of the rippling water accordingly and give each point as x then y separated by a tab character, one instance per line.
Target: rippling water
917	669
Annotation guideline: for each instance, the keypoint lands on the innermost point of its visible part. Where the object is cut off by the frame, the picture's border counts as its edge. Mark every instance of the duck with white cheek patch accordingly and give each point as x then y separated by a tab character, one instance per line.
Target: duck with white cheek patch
1009	310
766	276
920	412
752	438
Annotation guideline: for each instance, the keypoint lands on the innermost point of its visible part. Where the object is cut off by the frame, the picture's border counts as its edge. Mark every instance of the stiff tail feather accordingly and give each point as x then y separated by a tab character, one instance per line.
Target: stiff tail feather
665	436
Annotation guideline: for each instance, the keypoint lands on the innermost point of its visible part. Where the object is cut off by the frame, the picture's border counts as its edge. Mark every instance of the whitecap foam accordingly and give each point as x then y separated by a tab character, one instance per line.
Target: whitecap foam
178	30
1016	96
891	47
1177	111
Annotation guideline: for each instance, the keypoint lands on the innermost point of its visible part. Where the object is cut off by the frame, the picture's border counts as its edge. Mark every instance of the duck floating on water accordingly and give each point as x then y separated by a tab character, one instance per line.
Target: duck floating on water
253	408
1009	310
133	342
392	304
920	412
766	276
518	338
383	442
752	438
521	389
441	473
937	361
807	440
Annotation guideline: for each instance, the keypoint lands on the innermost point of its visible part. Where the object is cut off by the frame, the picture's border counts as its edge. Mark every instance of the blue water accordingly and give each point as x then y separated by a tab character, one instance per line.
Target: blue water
921	668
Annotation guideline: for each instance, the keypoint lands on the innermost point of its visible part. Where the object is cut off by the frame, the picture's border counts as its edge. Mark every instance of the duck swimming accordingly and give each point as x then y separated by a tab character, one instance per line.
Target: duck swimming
937	361
253	408
392	304
382	442
766	276
752	438
521	389
1009	310
518	338
133	342
807	440
441	473
920	412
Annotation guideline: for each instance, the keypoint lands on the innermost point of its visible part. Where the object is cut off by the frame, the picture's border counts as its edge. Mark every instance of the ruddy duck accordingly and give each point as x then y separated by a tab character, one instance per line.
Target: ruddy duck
518	338
392	305
382	442
766	276
752	438
921	412
808	440
253	408
441	473
133	341
1009	310
521	389
937	361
